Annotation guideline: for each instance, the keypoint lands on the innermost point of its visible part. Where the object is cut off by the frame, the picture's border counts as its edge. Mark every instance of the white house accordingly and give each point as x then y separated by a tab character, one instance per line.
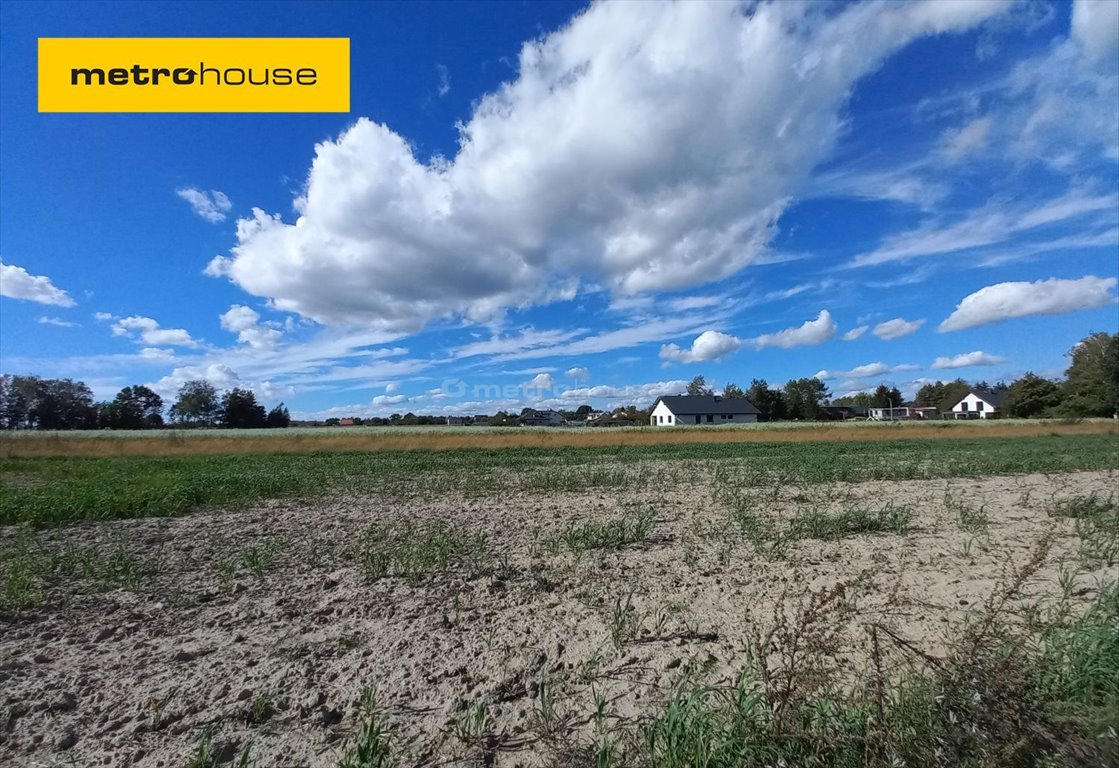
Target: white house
677	410
901	412
980	404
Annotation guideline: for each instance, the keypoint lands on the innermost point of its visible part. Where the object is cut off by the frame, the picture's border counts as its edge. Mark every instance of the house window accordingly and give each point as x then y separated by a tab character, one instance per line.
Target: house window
963	405
979	406
710	419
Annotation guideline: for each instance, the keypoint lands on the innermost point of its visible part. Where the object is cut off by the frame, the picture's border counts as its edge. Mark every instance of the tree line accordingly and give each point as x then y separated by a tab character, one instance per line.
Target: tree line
1090	389
31	402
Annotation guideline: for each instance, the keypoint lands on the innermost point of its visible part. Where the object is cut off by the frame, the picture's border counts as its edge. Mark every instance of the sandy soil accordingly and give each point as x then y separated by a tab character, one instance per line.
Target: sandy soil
130	678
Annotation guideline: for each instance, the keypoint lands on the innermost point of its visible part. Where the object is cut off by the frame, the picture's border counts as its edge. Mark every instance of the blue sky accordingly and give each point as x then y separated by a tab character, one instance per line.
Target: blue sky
554	203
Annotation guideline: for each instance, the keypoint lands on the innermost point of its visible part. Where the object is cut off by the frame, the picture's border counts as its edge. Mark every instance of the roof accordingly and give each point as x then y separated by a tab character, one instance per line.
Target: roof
689	405
990	396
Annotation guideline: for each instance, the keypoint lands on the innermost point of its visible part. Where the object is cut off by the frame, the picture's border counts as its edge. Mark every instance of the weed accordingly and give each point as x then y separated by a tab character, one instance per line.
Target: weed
1097	525
610	535
624	621
372	747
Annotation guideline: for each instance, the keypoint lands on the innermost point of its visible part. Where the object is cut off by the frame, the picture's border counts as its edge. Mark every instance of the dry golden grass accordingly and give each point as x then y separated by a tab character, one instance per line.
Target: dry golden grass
450	439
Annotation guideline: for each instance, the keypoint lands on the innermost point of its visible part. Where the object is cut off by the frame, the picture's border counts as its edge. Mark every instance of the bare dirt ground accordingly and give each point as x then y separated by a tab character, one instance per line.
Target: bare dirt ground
261	622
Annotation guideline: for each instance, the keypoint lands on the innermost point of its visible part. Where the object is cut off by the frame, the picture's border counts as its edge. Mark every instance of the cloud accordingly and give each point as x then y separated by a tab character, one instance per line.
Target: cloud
1004	301
709	345
212	206
811	332
221	376
641	148
855	333
968	359
444	80
858	372
1093	27
577	374
896	328
959	143
995	223
392	388
148	331
17	283
541	381
636	393
244	321
389	399
56	321
155	354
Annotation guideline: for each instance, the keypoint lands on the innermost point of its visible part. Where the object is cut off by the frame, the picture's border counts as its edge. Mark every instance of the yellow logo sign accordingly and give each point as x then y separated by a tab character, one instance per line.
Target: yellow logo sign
194	74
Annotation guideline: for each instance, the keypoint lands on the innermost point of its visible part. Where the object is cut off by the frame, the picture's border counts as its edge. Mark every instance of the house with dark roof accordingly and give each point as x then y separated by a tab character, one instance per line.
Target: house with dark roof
682	410
980	404
534	418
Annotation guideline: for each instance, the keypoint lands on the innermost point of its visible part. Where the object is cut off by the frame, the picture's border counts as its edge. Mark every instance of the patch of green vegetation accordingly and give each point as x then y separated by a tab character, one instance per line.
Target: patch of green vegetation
1097	525
415	550
607	535
60	490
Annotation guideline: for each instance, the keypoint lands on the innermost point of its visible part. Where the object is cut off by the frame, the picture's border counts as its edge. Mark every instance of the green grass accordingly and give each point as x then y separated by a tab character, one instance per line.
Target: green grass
606	535
45	491
1097	525
415	550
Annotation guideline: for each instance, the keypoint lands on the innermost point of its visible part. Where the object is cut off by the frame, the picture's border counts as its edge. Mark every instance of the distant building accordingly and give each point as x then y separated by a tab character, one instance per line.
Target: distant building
345	422
682	410
845	412
980	404
481	420
533	418
902	412
458	421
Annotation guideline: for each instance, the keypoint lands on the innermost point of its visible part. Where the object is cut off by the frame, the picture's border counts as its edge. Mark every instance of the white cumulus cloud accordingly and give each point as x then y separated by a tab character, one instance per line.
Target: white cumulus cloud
18	283
577	374
245	322
709	345
855	332
213	206
811	332
858	372
968	359
148	331
541	381
47	320
1004	301
897	328
1095	27
643	147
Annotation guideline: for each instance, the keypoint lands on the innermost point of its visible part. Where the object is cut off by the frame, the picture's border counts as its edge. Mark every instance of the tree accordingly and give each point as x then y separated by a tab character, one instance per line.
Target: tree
942	395
279	417
698	386
240	410
33	403
885	397
803	398
733	391
583	411
1092	379
133	408
196	404
769	402
1031	396
857	400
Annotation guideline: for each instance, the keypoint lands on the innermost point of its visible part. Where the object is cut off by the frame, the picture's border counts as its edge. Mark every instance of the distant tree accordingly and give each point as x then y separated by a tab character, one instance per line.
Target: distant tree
856	399
942	395
196	404
733	391
803	398
333	421
135	407
1031	396
279	417
769	402
409	420
240	410
583	411
698	386
394	419
1092	380
886	397
34	403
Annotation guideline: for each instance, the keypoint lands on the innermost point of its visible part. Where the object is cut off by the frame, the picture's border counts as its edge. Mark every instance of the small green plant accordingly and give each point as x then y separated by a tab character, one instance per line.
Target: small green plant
413	550
372	747
609	535
624	621
261	709
259	558
972	519
1097	524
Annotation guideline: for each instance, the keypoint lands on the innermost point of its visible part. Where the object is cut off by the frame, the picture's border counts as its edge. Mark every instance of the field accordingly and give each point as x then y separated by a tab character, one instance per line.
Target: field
853	596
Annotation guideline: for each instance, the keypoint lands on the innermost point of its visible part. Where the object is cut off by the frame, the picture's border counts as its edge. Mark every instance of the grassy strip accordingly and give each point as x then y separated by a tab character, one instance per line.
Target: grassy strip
56	490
